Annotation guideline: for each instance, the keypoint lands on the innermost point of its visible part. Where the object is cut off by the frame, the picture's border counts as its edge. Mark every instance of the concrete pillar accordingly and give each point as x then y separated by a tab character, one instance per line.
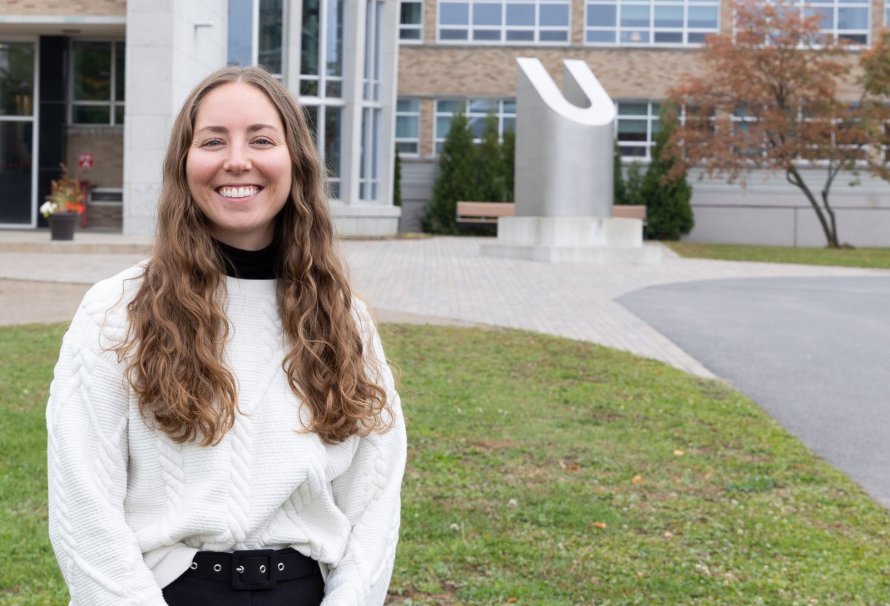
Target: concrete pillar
171	46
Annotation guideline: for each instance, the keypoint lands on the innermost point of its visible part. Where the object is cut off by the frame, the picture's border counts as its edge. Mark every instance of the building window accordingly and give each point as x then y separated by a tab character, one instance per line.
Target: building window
369	174
411	21
841	19
475	110
650	22
504	21
321	80
97	82
408	126
635	128
256	35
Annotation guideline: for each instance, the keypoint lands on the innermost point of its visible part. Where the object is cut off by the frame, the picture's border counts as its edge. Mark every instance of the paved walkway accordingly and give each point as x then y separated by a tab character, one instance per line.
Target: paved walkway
435	279
810	351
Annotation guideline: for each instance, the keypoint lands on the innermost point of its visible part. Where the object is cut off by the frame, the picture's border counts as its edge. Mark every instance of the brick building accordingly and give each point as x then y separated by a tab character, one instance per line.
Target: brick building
459	55
107	77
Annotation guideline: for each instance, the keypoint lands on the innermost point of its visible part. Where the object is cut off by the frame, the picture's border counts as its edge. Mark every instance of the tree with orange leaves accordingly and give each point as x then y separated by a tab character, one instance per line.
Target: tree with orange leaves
768	98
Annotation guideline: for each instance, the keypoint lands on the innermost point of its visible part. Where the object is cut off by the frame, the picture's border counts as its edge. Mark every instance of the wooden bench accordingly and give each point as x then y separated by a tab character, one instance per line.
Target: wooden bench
488	212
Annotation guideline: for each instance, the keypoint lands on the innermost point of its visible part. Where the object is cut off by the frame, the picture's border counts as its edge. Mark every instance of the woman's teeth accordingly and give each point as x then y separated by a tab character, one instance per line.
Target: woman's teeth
238	192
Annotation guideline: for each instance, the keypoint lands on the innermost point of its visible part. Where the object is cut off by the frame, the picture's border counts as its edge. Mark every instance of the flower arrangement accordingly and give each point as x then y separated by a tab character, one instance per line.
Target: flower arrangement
66	195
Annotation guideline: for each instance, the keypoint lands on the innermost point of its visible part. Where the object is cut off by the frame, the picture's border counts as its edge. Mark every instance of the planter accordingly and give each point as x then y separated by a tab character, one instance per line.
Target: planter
61	225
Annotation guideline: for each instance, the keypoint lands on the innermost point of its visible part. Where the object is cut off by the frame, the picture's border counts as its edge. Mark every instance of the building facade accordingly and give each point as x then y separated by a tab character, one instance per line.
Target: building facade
100	81
460	55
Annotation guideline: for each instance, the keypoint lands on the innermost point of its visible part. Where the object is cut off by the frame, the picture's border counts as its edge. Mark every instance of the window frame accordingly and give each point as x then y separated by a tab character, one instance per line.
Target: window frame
410	115
651	117
501	114
504	28
651	29
113	103
411	26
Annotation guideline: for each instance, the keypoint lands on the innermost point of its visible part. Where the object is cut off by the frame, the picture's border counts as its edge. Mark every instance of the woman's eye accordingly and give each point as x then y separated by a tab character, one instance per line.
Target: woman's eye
212	143
263	141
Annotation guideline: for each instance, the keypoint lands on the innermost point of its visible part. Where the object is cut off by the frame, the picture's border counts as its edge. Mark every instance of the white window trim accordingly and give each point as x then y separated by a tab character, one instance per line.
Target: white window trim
651	117
685	30
834	30
536	29
499	113
418	27
408	114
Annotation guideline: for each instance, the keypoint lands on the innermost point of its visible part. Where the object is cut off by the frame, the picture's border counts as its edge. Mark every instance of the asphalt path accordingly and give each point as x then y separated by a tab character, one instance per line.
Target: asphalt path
813	352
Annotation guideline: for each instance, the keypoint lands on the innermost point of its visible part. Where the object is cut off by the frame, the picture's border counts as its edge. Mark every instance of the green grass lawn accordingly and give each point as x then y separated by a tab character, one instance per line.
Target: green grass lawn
546	471
855	257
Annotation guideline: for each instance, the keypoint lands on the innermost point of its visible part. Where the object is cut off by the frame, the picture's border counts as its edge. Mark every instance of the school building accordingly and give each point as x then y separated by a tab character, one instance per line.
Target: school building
99	82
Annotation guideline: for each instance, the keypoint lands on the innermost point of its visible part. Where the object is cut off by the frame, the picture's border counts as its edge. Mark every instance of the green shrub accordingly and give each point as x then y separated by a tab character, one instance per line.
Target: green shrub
619	195
457	178
508	159
668	212
397	181
633	185
492	186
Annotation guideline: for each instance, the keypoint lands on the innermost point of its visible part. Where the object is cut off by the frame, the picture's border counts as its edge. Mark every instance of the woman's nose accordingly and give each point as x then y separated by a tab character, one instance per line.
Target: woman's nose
237	162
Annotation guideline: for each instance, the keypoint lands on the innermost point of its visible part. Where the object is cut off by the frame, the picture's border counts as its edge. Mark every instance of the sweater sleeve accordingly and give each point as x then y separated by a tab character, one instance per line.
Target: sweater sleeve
87	465
369	494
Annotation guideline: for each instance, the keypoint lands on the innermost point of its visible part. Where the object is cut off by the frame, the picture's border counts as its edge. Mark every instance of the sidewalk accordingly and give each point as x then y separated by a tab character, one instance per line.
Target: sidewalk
434	279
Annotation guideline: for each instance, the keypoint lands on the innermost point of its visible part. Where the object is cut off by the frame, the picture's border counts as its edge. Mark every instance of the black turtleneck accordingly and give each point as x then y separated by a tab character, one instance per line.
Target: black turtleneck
249	264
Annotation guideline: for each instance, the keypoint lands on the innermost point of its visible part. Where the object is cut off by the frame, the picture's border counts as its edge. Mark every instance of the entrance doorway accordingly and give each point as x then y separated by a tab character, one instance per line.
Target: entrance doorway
18	108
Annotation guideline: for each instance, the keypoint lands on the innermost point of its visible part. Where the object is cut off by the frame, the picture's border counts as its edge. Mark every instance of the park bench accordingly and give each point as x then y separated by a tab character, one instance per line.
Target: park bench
488	212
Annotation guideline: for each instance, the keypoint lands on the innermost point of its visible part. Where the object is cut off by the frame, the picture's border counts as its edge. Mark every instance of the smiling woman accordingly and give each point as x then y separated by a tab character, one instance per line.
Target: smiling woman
223	426
239	168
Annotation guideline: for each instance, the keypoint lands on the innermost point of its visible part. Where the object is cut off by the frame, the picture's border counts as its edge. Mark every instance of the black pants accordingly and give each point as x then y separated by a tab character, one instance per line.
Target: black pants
191	590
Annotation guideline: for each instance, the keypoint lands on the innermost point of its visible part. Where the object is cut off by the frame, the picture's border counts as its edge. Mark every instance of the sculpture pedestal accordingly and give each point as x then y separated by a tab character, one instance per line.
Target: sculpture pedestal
572	240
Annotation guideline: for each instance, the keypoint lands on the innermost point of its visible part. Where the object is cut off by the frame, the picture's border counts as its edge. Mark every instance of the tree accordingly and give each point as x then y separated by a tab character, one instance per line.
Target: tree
767	97
665	190
397	181
619	190
457	178
633	185
508	159
492	185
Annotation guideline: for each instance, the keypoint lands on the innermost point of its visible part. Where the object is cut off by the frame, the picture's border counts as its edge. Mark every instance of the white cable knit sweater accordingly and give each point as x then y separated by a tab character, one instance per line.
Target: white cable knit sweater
128	507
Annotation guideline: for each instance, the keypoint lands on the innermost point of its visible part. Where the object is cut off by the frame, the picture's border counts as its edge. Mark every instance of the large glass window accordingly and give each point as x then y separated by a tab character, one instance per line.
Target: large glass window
321	80
650	22
239	50
369	175
255	34
269	36
408	126
504	21
97	82
844	19
475	110
255	37
411	21
17	113
635	128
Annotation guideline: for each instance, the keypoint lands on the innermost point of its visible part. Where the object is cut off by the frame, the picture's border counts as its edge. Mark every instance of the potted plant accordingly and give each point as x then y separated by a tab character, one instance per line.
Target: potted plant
63	206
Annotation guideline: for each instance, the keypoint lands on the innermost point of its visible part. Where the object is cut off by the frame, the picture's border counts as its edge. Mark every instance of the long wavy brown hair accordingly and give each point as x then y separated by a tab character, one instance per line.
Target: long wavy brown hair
177	327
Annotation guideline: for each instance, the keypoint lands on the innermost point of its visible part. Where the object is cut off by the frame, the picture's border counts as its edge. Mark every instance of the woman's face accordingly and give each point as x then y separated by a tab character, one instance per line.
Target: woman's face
238	167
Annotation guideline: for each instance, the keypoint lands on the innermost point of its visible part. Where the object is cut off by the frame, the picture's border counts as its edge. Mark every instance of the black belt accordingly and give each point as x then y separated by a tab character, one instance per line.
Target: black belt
251	569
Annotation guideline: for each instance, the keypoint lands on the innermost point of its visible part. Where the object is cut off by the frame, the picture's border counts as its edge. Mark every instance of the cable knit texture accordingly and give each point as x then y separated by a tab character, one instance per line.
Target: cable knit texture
128	507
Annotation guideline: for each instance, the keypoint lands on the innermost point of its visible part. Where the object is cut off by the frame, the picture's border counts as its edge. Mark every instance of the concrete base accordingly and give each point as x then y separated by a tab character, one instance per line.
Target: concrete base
572	240
365	219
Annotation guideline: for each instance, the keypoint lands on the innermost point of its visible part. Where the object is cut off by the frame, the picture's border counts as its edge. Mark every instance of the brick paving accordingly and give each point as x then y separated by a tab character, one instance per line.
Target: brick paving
446	280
